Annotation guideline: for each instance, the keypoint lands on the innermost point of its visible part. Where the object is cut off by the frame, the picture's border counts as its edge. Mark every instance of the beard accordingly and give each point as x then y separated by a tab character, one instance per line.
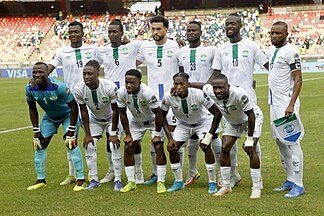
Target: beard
158	37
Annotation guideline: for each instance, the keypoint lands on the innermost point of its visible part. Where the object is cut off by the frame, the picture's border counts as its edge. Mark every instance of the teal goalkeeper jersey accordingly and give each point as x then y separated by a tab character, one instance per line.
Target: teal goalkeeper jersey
53	99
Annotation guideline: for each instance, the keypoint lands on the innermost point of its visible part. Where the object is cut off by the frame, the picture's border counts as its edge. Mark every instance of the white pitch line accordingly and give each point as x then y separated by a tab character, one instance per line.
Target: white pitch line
310	79
15	129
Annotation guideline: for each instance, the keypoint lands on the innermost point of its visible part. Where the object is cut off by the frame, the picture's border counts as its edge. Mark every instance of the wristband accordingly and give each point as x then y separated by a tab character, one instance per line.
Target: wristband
71	128
156	133
113	133
248	142
207	139
36	129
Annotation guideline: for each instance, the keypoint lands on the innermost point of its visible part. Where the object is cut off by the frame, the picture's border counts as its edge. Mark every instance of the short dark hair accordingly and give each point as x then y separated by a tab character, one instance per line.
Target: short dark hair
222	77
282	23
162	19
94	64
41	63
117	22
134	72
76	23
181	74
196	23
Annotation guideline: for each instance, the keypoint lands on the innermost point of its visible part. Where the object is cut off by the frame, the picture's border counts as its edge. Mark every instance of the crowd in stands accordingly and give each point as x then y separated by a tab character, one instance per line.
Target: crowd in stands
305	30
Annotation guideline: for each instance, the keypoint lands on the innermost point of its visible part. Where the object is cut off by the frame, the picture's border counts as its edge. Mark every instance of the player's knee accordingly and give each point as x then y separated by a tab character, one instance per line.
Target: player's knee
159	148
129	150
226	149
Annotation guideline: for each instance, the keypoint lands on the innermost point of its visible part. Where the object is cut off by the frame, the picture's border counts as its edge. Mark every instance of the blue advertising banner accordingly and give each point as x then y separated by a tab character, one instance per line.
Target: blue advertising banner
27	73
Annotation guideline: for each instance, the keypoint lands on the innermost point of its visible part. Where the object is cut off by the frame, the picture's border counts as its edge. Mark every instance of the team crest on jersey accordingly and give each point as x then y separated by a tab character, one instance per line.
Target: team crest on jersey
143	103
233	107
194	107
105	99
280	60
245	53
169	53
125	50
296	57
203	57
53	98
88	55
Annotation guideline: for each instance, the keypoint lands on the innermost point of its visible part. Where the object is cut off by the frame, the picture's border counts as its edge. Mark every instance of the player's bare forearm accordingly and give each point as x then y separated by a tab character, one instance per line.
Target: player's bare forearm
50	68
166	125
33	113
214	75
197	85
298	81
251	122
115	116
216	119
74	112
85	118
181	69
124	120
158	119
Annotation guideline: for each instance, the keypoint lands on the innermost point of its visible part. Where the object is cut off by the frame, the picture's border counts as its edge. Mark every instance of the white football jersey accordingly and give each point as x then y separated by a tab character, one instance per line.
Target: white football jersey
236	61
234	107
190	110
282	62
161	65
98	101
197	62
73	61
117	61
140	105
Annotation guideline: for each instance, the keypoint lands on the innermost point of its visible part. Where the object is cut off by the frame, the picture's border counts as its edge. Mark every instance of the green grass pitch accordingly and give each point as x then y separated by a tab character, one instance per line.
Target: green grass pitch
18	172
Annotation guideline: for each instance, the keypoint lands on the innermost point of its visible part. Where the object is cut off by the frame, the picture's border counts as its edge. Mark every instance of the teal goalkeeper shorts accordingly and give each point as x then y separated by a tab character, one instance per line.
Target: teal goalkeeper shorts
50	126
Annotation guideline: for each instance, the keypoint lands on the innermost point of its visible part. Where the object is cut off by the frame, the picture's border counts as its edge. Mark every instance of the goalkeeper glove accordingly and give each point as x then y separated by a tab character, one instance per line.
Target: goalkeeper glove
38	140
70	139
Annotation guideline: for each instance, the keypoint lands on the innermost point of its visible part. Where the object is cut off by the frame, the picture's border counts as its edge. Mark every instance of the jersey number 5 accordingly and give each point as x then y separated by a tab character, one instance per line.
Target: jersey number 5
159	63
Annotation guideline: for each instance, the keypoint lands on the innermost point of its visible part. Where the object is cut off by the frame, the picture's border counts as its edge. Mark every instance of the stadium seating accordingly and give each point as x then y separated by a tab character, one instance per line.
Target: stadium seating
16	34
304	27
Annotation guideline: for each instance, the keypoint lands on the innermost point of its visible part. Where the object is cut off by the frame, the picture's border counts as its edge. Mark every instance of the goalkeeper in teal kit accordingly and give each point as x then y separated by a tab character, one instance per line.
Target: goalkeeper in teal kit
60	108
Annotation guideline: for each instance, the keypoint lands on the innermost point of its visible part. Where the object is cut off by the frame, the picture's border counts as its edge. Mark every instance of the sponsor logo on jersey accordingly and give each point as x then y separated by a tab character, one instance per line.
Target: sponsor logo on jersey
245	53
105	99
125	50
194	107
245	99
88	55
226	54
86	99
233	107
203	57
169	53
183	58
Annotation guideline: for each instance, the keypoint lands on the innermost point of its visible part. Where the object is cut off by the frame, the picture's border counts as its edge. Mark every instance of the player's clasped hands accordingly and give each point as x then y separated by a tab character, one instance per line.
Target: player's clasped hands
172	146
